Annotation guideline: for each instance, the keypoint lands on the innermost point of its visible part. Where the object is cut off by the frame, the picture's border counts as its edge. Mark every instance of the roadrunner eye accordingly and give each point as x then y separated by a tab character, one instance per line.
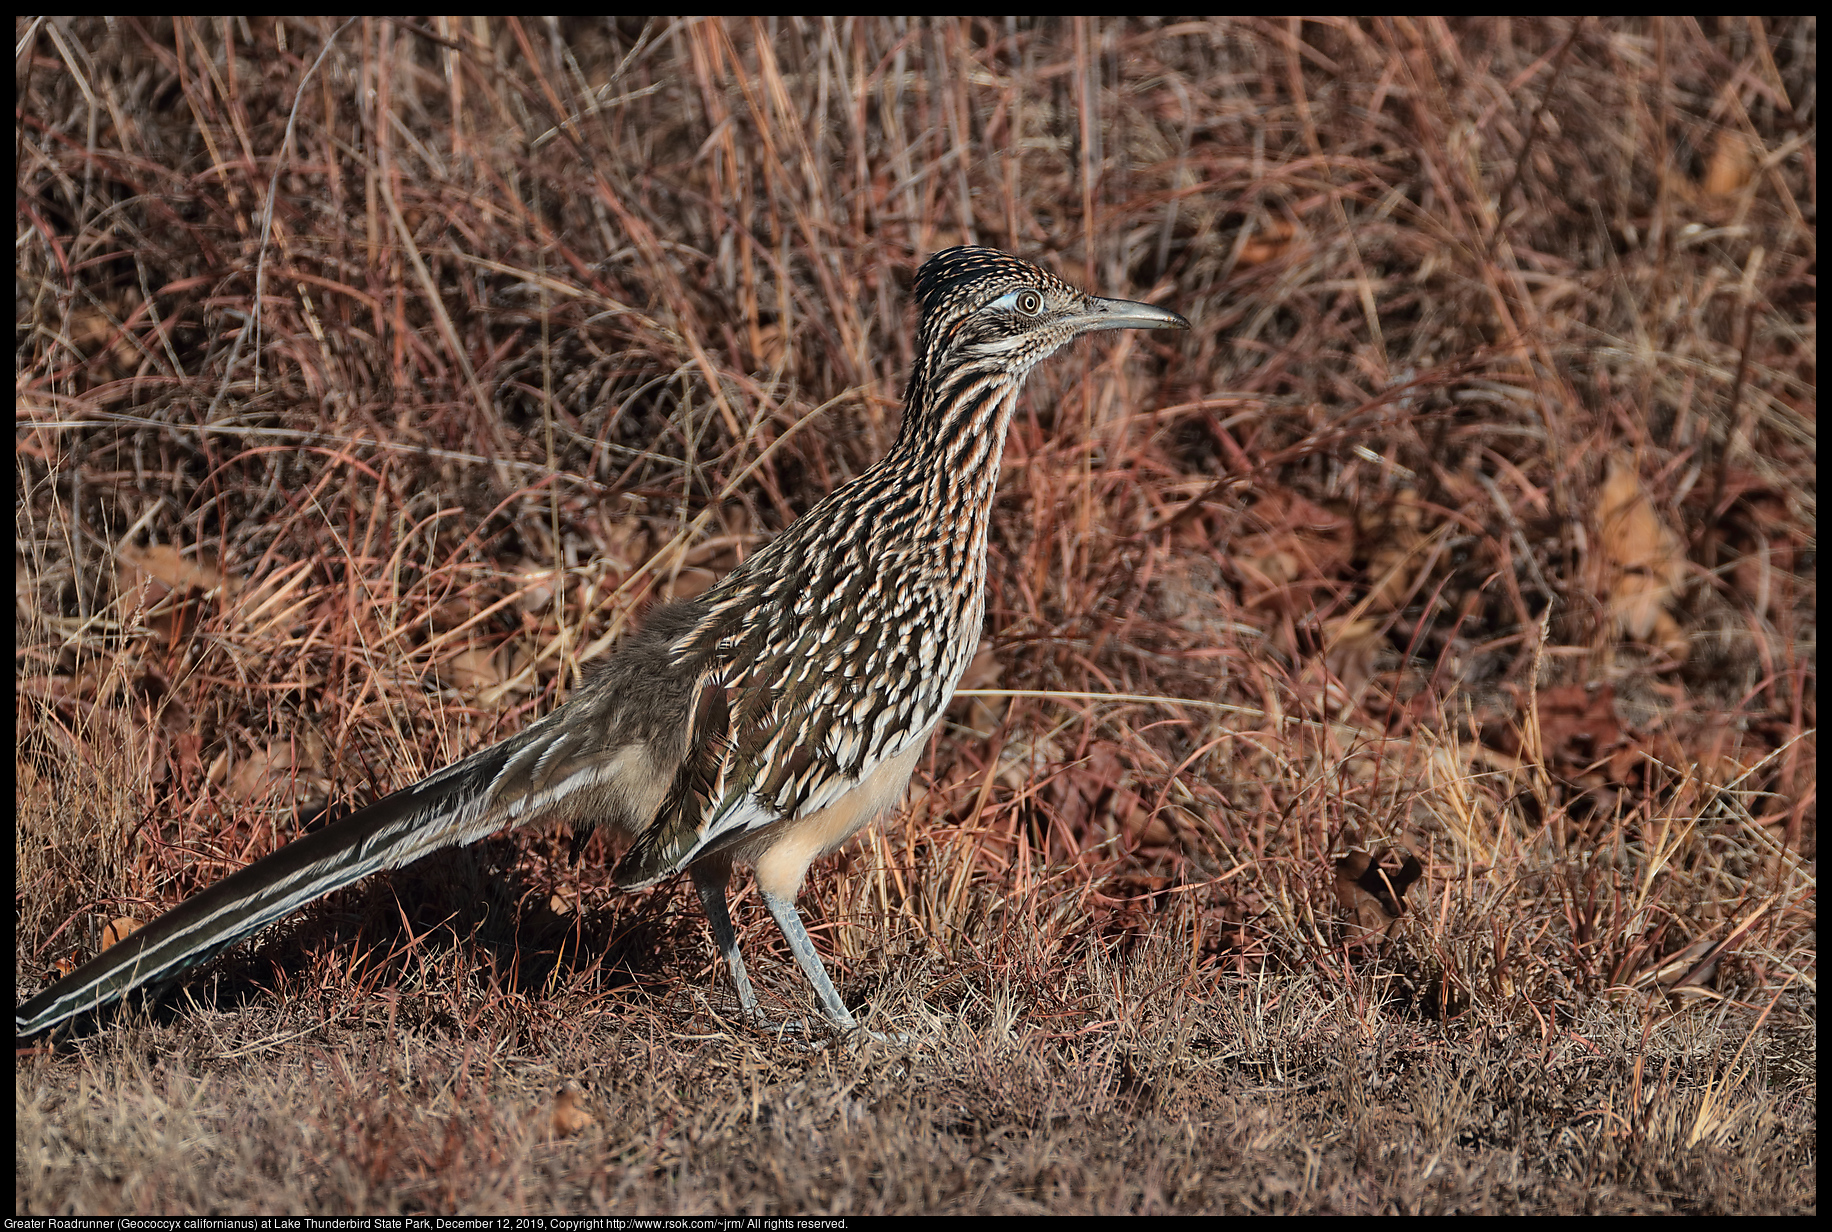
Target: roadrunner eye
1029	303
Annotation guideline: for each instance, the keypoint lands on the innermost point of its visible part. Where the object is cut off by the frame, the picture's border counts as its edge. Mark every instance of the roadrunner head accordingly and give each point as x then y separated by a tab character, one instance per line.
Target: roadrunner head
988	318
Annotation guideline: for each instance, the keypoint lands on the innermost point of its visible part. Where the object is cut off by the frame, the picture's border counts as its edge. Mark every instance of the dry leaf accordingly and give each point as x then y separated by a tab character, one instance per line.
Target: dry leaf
1693	970
119	930
984	671
1730	166
1023	755
1192	596
622	543
1302	543
1098	796
1371	887
1269	243
984	714
568	1116
281	764
1354	646
535	585
161	585
769	345
1389	534
1646	559
1153	832
470	670
689	583
107	348
163	563
1578	730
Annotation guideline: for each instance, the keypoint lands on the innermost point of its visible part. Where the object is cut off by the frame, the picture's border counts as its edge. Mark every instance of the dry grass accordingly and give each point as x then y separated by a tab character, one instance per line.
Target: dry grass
373	377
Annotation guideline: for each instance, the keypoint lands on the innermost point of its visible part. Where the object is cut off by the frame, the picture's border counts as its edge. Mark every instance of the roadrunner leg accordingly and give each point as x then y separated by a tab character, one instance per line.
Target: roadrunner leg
789	920
710	878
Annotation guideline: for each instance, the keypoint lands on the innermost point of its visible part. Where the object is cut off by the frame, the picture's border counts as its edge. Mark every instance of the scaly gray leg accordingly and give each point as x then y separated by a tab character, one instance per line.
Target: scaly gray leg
789	920
710	878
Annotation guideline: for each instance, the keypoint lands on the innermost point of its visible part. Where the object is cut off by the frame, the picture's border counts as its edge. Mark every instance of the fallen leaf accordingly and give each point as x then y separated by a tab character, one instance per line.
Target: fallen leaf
1300	547
1579	731
1354	645
568	1117
1646	560
283	763
1387	535
1270	242
689	583
163	586
770	346
1371	888
1731	164
119	930
622	542
983	714
470	670
164	563
535	585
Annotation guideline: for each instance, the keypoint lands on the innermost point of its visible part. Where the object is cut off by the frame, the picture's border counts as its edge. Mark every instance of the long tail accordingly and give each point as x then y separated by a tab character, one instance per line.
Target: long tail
505	784
607	757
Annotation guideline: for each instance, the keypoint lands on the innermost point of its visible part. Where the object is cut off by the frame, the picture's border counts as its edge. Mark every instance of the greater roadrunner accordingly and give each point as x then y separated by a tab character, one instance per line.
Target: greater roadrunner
764	722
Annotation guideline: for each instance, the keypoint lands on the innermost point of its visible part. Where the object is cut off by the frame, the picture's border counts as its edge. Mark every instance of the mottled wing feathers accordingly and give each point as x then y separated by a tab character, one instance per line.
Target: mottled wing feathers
768	735
700	784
